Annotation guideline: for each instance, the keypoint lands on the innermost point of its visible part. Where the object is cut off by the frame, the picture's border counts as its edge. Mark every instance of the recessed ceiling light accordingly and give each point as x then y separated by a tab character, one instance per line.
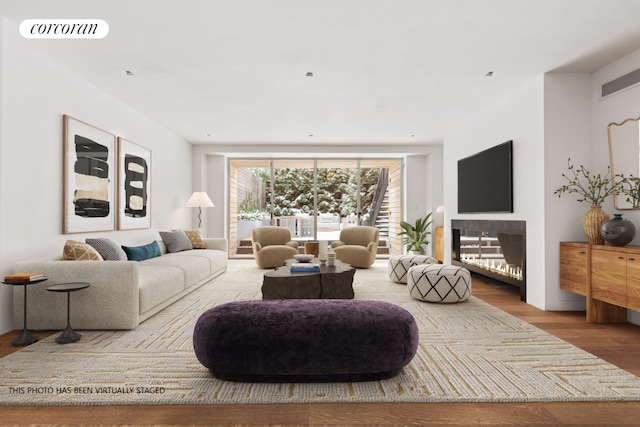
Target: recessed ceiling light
208	134
310	135
128	73
309	74
489	74
413	135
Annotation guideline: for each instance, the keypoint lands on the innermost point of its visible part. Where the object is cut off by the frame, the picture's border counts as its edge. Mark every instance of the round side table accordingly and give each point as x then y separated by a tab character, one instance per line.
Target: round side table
26	337
68	335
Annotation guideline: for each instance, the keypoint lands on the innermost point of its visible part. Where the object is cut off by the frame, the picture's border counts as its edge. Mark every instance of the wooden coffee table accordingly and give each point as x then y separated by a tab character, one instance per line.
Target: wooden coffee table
331	282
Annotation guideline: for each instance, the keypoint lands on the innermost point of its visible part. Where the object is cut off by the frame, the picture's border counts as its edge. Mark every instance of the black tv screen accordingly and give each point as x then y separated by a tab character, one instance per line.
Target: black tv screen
485	181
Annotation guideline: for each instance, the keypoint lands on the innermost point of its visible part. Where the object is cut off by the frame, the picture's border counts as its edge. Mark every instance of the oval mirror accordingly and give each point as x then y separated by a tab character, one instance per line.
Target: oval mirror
624	155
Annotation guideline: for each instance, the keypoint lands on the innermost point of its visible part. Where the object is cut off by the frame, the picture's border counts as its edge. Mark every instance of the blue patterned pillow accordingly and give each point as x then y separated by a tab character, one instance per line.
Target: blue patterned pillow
140	253
108	249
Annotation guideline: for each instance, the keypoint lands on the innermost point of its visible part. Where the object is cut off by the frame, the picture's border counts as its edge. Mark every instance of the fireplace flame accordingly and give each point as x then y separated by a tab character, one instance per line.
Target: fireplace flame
499	267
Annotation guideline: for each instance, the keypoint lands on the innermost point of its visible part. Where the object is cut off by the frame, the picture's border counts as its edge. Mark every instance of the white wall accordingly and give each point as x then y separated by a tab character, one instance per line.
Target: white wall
567	134
5	291
519	118
423	189
36	93
615	108
556	117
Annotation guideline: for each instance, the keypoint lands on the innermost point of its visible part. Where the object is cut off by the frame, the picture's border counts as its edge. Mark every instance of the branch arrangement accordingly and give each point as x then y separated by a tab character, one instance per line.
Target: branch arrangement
592	188
630	187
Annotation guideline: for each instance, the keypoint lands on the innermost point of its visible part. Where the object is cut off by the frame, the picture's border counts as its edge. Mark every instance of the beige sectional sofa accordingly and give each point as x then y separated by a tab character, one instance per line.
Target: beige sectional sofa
122	293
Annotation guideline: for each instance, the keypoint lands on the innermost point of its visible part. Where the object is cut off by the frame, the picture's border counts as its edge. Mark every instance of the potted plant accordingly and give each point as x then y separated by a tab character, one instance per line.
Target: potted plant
591	188
414	236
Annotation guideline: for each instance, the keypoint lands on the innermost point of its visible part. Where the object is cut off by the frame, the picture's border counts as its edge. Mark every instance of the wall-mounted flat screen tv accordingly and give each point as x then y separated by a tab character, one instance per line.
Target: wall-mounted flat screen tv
485	181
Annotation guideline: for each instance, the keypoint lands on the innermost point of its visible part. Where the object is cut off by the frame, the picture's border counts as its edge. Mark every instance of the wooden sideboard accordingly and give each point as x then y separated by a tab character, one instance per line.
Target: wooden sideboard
608	276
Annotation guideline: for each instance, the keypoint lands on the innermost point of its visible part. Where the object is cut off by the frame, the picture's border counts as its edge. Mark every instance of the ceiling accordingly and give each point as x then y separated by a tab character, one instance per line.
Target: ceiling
384	71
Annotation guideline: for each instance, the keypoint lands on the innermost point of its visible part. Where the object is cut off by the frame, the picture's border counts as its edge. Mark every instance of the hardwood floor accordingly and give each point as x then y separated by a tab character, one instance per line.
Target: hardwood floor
617	343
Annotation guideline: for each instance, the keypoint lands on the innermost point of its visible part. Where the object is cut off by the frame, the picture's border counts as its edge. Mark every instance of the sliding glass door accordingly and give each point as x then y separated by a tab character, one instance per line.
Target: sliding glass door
291	197
313	198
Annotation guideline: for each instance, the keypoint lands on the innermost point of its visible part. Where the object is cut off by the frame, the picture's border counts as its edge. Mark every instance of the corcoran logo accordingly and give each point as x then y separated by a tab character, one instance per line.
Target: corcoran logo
64	29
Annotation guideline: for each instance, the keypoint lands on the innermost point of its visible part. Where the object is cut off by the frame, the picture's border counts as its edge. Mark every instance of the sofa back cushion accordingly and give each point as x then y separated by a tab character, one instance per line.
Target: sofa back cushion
78	251
176	241
140	253
108	249
360	235
270	235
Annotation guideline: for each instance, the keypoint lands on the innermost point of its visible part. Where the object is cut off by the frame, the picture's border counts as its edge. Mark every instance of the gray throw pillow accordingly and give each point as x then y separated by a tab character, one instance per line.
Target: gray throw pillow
176	241
107	249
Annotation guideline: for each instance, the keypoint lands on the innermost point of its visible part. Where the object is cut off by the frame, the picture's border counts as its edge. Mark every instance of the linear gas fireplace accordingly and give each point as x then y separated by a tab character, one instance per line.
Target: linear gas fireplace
493	248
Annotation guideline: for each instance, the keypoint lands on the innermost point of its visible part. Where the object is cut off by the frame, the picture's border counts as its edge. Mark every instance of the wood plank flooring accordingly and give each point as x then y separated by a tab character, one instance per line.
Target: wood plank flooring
617	343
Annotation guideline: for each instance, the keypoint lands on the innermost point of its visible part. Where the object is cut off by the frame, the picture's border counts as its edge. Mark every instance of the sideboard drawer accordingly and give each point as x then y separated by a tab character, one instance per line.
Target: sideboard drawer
574	267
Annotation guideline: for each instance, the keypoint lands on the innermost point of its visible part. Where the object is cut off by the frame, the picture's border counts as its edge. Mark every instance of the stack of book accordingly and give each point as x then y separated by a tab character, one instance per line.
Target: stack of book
305	267
24	277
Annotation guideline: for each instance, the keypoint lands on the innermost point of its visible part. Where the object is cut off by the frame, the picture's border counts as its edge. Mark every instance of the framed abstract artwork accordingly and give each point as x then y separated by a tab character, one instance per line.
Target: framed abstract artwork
134	192
89	178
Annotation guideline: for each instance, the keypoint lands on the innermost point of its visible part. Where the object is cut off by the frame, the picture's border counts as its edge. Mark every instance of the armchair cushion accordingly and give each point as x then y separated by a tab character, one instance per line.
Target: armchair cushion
272	246
357	246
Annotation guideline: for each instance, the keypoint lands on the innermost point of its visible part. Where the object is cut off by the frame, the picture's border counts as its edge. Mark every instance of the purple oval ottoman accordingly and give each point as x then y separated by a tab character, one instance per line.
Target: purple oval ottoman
305	340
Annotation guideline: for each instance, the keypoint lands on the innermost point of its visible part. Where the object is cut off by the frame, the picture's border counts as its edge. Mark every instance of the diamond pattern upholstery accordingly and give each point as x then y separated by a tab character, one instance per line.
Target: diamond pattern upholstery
399	265
439	283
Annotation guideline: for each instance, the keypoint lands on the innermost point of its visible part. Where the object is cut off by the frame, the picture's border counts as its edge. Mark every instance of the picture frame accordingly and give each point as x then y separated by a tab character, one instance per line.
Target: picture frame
134	186
89	177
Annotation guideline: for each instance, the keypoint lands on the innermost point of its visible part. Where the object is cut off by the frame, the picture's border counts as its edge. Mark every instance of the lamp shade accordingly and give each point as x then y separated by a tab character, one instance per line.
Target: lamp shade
199	199
440	209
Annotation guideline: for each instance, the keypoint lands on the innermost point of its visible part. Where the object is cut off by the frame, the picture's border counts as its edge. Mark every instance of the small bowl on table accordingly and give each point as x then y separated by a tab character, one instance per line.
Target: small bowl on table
303	257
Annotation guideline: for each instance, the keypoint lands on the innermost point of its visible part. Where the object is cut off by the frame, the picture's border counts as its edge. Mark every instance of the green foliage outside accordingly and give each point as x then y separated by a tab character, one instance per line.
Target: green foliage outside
337	188
251	208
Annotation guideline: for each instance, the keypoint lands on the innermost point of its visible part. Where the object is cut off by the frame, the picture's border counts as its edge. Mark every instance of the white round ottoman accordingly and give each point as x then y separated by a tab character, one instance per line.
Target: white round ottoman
439	283
399	265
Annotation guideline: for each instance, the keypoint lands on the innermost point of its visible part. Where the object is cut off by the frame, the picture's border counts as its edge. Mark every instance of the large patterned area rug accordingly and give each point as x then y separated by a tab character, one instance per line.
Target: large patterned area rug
469	352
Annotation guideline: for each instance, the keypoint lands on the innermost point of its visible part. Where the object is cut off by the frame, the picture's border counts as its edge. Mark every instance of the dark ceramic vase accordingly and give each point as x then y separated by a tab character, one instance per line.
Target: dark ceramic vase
618	231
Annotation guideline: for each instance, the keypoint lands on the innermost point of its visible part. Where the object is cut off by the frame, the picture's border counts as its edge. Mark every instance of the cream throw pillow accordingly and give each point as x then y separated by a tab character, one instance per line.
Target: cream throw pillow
195	238
78	251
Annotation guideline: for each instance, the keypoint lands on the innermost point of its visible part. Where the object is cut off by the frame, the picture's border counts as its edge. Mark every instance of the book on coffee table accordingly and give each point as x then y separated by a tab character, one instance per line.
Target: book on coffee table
305	267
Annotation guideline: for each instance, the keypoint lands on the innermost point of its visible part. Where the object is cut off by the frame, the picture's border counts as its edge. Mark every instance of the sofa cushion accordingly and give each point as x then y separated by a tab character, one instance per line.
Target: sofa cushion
78	251
157	284
176	241
140	253
217	259
108	249
195	238
194	269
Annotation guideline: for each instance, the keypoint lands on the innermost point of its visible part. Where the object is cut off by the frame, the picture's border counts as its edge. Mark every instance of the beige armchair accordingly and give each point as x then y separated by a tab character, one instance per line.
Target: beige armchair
272	246
357	246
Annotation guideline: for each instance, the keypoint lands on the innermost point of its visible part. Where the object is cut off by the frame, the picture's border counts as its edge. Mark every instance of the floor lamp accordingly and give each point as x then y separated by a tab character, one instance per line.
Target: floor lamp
439	242
199	199
441	210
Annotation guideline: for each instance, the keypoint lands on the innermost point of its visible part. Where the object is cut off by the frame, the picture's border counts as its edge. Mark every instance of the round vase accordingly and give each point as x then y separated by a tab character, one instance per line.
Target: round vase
312	248
592	222
618	231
